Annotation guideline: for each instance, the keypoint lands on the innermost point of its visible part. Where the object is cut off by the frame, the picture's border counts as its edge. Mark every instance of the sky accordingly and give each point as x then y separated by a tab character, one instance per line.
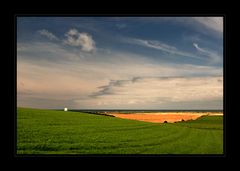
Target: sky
120	62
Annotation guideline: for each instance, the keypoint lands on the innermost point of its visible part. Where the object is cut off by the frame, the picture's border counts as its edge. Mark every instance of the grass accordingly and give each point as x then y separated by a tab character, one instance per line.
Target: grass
59	132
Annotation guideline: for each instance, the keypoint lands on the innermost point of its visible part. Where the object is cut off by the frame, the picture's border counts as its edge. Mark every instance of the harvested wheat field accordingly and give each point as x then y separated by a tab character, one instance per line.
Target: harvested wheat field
161	117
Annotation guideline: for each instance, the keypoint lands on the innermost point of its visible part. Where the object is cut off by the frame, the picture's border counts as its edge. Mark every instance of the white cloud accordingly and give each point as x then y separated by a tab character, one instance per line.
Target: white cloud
73	38
83	40
198	48
214	56
47	34
213	23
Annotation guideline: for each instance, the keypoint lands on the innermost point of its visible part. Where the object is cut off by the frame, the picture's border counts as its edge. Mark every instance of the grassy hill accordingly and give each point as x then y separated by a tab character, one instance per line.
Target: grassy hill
59	132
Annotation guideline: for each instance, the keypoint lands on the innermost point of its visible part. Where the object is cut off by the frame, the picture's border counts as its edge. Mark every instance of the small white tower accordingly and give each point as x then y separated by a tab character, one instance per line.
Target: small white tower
65	109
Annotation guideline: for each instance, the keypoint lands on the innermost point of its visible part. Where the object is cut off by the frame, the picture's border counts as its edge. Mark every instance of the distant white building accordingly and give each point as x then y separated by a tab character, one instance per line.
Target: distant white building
65	109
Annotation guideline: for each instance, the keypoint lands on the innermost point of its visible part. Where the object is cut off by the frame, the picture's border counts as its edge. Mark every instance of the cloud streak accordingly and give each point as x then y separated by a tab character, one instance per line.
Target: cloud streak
47	34
162	46
215	58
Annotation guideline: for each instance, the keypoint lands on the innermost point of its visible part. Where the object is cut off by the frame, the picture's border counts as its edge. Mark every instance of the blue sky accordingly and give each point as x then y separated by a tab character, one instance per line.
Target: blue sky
120	62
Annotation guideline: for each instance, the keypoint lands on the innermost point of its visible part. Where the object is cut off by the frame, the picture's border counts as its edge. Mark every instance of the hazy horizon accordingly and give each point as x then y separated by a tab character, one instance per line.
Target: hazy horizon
95	109
128	63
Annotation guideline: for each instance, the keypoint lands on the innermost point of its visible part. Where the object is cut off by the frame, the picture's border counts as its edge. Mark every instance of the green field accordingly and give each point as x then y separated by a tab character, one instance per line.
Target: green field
59	132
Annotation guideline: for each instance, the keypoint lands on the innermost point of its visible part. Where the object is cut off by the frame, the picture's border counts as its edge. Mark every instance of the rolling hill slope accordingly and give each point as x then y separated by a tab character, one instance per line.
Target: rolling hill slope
59	132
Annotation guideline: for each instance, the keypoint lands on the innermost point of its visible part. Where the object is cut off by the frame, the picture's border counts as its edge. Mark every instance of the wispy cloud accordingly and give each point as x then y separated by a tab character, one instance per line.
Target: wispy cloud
47	34
83	40
214	56
213	23
162	46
